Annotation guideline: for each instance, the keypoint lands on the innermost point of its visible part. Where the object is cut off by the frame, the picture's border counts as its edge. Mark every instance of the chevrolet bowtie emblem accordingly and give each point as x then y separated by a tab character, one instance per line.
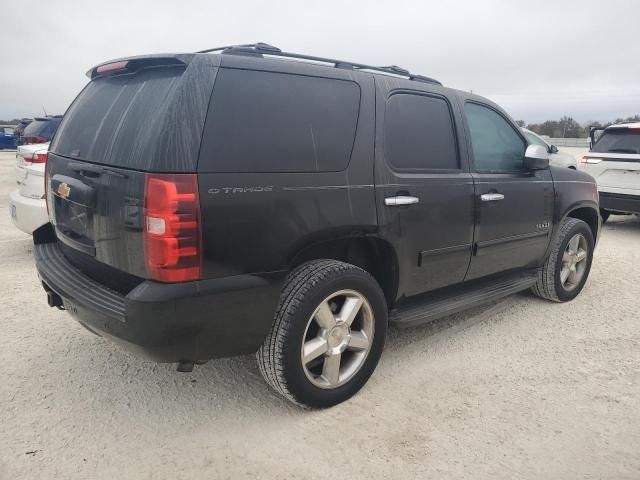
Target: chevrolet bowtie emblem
64	190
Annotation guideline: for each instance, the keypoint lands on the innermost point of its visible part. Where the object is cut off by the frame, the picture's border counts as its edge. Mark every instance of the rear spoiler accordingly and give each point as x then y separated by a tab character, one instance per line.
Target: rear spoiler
133	64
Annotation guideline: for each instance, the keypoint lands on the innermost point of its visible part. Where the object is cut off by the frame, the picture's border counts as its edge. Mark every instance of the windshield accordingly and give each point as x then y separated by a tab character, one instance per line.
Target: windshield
618	140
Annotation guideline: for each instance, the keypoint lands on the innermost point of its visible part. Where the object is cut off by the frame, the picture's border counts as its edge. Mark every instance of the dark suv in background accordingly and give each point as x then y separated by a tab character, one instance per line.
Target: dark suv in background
40	130
237	201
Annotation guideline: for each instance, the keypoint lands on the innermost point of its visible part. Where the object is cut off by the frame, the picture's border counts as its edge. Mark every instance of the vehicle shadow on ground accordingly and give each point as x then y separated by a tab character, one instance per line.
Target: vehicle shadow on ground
623	223
233	384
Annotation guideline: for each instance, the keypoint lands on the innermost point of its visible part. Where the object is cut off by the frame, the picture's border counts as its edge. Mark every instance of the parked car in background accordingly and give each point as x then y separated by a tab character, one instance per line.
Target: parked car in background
41	130
7	137
557	158
19	129
614	161
27	155
263	216
27	205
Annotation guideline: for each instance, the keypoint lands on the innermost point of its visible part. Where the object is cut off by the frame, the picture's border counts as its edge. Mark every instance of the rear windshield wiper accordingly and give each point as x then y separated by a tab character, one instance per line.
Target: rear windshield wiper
622	150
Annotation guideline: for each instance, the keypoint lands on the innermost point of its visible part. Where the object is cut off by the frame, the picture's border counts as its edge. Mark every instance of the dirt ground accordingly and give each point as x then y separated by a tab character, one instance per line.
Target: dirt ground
522	389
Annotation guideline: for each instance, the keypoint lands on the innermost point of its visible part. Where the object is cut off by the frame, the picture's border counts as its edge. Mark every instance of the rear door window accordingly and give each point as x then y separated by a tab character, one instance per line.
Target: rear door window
618	140
273	122
419	133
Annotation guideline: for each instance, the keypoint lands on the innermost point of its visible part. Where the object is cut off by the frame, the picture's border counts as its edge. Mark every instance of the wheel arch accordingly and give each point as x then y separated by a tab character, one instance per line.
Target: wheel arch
589	214
371	253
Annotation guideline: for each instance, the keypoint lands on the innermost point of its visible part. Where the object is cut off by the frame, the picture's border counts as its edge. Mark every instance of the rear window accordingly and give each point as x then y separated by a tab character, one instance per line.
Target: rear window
118	120
273	122
42	128
622	140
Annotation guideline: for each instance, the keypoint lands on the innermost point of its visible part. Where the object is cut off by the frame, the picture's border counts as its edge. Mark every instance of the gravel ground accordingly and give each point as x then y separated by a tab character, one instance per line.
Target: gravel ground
522	388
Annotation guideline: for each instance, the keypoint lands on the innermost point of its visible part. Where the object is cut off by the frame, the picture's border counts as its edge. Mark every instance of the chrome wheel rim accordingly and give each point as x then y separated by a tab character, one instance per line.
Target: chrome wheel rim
574	262
337	339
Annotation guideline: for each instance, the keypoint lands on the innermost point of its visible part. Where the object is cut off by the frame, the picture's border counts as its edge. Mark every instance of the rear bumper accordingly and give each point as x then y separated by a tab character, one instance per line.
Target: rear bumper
620	203
26	213
191	321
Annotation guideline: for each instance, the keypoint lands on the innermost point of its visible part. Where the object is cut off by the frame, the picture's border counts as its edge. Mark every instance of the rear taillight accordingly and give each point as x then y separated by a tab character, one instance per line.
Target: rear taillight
46	186
588	159
39	157
172	227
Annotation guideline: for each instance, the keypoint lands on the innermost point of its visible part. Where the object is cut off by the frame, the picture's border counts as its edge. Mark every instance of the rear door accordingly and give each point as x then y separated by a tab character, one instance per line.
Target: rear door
120	127
614	161
424	193
514	206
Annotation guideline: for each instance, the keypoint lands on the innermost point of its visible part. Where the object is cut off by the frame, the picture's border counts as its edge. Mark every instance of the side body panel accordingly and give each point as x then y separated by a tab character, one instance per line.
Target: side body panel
258	222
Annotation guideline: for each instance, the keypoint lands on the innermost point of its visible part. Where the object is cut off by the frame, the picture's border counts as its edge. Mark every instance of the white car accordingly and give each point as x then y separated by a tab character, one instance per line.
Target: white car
614	161
555	156
27	204
27	155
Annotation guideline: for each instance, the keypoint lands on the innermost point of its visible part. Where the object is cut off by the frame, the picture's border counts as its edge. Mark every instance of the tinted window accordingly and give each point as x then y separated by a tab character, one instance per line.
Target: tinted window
621	140
272	122
419	133
42	128
496	145
120	119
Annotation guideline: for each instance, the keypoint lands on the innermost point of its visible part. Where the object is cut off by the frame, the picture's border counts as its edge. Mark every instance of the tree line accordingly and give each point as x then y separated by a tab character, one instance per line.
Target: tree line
567	127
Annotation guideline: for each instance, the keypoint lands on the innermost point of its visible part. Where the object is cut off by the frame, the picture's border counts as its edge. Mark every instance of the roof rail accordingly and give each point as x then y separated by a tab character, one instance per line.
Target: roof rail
260	49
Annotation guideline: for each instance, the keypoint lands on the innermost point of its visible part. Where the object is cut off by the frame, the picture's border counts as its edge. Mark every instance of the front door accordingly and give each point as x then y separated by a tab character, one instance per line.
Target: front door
424	194
514	206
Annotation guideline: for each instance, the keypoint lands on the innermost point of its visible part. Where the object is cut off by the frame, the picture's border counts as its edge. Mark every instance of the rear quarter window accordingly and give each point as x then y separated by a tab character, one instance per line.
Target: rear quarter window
274	122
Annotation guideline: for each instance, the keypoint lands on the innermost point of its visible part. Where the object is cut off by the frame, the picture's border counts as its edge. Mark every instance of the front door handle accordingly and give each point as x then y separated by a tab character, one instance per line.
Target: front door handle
491	197
400	200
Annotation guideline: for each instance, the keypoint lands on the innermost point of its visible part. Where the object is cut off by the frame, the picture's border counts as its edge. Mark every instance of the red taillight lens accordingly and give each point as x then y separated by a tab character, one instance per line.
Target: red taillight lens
172	227
112	67
40	157
46	186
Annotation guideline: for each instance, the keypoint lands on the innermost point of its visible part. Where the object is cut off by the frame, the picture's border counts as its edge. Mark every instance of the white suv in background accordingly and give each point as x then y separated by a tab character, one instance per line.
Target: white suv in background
27	205
557	158
614	161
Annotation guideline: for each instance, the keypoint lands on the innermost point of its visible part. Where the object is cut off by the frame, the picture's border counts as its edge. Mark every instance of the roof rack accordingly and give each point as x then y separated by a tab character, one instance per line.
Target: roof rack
260	49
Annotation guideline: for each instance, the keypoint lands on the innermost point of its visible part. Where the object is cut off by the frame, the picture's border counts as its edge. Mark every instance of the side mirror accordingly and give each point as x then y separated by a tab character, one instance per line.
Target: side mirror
536	157
553	149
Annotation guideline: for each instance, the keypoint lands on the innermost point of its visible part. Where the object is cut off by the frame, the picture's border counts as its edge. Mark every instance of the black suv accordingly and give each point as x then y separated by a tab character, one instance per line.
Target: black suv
245	199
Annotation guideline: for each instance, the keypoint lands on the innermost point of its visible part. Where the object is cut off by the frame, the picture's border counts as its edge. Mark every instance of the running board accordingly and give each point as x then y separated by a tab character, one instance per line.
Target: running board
432	306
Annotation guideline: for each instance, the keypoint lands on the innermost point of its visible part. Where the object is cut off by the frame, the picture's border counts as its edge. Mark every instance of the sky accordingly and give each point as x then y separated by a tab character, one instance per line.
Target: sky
538	59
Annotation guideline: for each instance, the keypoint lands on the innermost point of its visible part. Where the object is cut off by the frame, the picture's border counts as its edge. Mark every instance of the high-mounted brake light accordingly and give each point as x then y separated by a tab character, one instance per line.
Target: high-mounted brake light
112	67
172	227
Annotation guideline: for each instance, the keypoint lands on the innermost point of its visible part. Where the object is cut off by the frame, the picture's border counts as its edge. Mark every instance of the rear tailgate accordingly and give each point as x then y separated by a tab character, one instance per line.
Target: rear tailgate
614	172
147	118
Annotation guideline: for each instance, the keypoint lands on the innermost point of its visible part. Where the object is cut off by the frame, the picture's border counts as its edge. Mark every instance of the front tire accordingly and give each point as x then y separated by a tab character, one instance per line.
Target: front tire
327	336
565	272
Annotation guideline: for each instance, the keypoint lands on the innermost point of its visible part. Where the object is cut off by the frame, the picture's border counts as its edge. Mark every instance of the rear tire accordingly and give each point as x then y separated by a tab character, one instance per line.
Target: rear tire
328	334
565	272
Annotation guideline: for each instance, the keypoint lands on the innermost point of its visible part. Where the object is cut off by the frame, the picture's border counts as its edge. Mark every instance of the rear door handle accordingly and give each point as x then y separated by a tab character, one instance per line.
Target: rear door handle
491	197
400	200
